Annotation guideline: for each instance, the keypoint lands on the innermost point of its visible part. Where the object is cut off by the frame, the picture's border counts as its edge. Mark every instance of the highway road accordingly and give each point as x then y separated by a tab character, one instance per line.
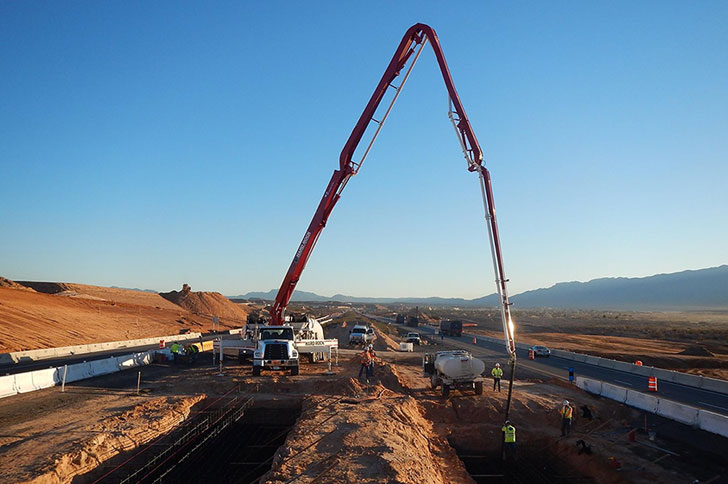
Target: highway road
13	368
559	367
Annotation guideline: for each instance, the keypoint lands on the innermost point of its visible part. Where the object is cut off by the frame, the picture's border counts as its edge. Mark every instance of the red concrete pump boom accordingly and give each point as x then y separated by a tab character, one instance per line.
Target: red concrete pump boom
405	56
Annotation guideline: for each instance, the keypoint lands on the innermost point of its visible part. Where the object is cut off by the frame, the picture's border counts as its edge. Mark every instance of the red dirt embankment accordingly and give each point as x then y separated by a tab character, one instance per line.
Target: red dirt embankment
63	314
206	303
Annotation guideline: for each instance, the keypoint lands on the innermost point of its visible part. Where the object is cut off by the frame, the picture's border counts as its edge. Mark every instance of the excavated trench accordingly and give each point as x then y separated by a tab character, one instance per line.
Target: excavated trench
232	440
534	462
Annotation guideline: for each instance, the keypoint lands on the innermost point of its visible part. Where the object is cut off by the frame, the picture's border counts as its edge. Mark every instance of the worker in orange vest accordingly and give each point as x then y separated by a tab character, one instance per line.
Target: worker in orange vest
366	362
373	357
567	413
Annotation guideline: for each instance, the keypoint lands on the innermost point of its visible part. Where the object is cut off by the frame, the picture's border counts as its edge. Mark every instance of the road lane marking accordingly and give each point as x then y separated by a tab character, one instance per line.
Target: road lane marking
623	382
714	406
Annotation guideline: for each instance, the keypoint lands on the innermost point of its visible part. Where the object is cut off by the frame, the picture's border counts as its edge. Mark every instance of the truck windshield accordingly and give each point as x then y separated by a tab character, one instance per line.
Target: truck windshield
277	333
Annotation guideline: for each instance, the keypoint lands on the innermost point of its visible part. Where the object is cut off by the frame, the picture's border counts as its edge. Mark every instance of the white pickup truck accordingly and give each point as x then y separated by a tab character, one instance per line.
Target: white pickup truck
361	335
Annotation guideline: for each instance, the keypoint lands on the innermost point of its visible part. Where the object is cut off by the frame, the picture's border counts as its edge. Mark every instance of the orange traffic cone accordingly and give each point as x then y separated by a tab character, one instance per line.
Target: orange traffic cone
475	340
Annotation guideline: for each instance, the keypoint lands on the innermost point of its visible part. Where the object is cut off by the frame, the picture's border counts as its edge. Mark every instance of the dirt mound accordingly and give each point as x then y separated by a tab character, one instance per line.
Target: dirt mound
378	440
206	303
696	350
4	282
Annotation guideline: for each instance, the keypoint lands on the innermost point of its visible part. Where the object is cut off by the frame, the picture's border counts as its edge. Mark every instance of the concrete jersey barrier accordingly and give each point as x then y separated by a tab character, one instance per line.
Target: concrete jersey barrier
686	379
46	353
47	377
686	414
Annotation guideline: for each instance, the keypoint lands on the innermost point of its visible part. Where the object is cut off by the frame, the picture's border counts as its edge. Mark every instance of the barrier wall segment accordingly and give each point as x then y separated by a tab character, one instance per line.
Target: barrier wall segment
686	414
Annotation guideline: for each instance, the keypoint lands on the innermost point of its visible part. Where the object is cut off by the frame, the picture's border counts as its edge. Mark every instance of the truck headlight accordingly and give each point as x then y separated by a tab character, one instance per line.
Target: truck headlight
295	353
257	354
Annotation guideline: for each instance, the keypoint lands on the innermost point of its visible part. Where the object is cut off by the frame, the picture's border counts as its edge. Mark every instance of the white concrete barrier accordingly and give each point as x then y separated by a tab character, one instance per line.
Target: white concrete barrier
643	401
696	381
7	386
713	422
589	385
46	353
135	359
75	372
592	360
678	412
720	386
104	366
614	392
406	347
703	419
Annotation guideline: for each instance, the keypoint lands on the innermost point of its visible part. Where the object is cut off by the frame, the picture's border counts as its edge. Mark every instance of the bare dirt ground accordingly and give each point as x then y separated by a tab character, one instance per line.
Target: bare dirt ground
393	428
61	314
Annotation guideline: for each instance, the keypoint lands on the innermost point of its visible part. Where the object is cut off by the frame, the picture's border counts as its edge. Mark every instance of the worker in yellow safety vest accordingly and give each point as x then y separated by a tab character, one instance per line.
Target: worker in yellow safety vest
567	414
175	351
509	439
497	374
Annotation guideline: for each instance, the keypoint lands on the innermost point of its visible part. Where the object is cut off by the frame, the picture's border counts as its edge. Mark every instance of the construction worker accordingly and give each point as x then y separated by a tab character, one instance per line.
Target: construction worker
366	362
175	351
497	374
373	357
509	439
567	413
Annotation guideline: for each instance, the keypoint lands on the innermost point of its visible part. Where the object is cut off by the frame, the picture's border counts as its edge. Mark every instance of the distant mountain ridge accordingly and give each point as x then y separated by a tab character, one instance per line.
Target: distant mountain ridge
686	290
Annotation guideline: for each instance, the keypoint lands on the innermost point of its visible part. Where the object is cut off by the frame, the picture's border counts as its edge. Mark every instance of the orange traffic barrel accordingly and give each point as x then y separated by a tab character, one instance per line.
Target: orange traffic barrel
531	355
652	383
638	362
475	340
161	344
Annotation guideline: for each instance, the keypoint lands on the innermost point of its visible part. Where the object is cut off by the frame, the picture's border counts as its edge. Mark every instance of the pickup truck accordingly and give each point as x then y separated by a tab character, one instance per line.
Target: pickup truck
413	338
361	335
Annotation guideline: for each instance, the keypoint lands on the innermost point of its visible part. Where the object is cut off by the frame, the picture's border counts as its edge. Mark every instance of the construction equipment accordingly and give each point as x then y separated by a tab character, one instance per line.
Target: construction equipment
451	328
454	369
404	59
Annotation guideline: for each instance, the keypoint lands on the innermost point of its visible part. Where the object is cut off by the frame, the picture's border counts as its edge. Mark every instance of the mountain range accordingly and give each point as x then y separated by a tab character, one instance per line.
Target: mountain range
702	289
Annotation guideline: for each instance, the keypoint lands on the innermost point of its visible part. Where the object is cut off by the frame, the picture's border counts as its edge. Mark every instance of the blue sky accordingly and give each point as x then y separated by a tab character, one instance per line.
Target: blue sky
147	144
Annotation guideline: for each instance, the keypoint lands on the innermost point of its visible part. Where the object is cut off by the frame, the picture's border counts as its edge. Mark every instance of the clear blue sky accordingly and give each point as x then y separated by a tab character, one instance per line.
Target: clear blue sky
147	144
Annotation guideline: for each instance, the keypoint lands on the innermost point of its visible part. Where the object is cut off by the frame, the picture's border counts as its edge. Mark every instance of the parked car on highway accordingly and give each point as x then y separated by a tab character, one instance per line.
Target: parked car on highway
539	350
413	338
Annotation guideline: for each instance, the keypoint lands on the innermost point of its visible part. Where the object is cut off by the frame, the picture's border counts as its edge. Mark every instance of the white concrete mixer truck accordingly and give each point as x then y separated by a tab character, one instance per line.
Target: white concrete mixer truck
454	369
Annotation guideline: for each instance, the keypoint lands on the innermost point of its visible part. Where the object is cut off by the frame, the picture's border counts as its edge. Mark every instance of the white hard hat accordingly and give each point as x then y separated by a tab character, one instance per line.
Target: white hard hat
497	365
371	347
566	402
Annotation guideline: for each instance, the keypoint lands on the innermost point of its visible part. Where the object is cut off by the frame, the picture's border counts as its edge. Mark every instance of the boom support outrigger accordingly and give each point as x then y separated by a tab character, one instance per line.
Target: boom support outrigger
403	60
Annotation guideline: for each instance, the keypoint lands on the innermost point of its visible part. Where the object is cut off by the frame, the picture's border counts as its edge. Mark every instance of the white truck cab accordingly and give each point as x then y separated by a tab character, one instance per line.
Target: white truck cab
275	350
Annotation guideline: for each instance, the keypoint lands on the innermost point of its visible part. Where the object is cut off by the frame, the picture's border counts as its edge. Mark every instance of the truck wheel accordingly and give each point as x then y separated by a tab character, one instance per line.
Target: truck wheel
256	371
478	387
294	371
433	382
445	391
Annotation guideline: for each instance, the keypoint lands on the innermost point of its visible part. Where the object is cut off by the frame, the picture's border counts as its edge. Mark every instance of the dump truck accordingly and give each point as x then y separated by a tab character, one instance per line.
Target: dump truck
454	369
451	328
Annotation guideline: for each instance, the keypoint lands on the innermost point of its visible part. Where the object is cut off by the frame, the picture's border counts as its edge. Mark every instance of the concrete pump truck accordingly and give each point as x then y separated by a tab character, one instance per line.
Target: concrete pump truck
404	59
